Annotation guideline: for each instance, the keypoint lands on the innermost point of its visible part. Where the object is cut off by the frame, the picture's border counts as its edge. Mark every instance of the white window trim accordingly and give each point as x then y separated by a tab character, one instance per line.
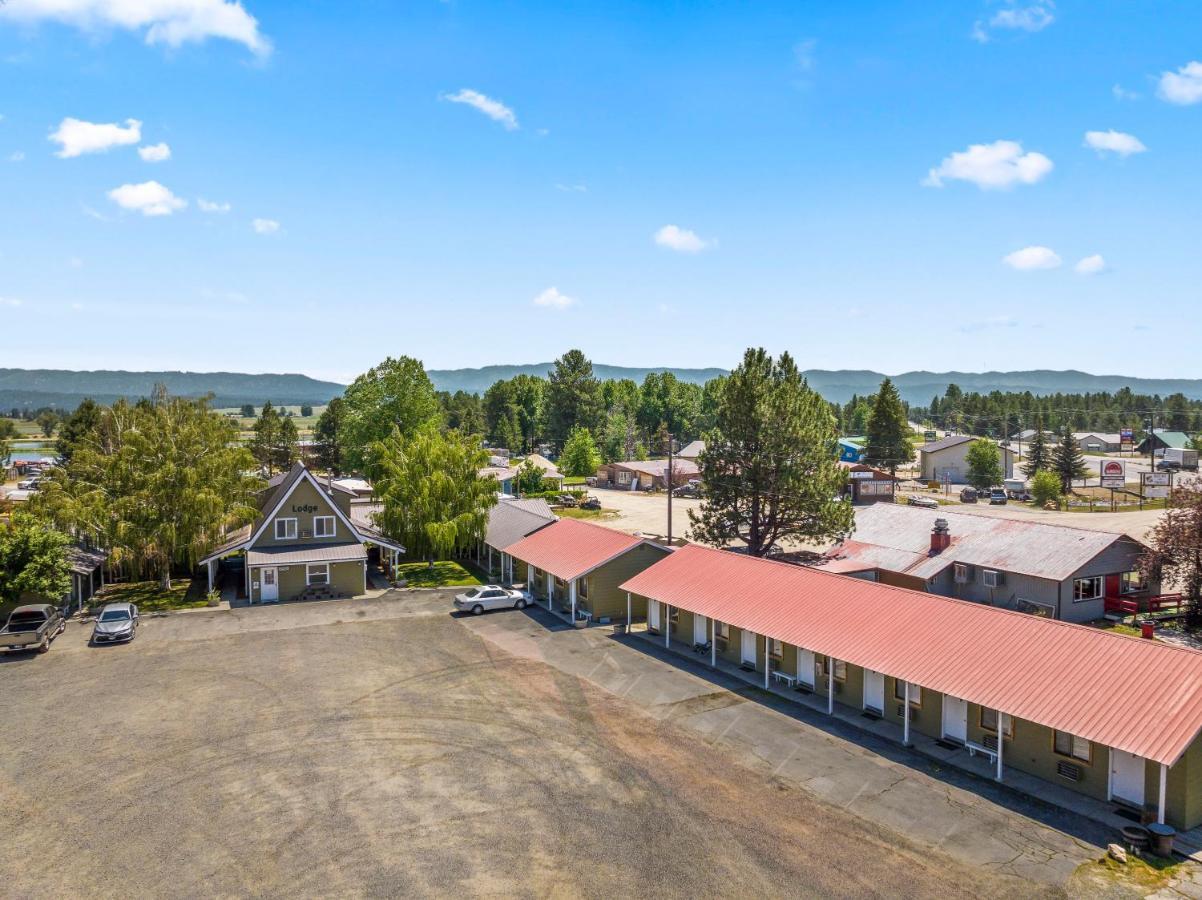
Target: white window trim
1101	592
286	537
333	532
309	567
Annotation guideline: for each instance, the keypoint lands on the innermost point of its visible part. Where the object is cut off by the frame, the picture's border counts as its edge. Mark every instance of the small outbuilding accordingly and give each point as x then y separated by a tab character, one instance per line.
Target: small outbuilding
947	460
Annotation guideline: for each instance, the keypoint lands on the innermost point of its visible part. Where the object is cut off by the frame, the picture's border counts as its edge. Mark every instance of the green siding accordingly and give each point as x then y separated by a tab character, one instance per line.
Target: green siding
303	504
1184	800
346	578
925	718
605	598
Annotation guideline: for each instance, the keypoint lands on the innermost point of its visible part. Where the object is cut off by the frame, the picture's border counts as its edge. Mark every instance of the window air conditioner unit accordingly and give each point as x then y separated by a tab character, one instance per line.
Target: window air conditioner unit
306	533
1069	771
992	578
990	742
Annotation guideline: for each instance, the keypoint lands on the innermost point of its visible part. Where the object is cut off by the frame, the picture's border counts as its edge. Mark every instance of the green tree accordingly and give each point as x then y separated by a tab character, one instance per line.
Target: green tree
77	427
1045	488
33	560
287	449
1174	551
984	464
1068	462
395	394
8	431
580	456
48	420
264	445
325	433
434	501
306	410
770	466
1039	455
248	410
529	479
573	396
161	486
889	441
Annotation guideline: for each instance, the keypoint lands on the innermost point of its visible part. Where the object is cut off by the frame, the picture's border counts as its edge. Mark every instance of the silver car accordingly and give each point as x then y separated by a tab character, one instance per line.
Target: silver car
116	623
490	596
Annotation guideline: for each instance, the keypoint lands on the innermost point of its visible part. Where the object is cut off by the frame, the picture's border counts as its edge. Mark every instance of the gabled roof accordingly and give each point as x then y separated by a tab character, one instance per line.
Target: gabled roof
692	450
1178	440
548	467
1144	697
1107	437
295	556
659	467
511	520
887	534
954	441
570	548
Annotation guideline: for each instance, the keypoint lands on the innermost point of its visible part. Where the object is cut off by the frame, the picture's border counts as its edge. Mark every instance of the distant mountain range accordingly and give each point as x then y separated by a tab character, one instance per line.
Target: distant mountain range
63	389
33	388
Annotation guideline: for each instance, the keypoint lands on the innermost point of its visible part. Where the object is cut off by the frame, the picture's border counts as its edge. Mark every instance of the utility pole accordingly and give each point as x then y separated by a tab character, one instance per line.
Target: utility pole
669	489
1152	441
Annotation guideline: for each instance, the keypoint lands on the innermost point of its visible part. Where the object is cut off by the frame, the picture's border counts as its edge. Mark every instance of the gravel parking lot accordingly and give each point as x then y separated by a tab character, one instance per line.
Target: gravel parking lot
382	747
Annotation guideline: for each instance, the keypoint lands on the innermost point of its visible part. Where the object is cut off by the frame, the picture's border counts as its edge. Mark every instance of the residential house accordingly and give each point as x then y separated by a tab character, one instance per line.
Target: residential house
1112	717
303	544
1054	571
1164	440
692	450
947	459
1098	441
646	475
576	567
506	477
552	477
866	484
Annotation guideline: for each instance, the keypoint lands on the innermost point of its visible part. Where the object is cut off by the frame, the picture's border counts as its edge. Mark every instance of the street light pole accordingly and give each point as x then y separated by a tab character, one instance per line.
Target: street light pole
669	489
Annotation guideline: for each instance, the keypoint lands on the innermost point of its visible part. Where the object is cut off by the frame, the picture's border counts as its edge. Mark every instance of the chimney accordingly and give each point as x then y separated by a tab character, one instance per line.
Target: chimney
941	536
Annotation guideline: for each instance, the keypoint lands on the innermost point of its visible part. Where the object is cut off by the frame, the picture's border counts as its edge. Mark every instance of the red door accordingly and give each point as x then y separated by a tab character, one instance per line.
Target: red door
1113	585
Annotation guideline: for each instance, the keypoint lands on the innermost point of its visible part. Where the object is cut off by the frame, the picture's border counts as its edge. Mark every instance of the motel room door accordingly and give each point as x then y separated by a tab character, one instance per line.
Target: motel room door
701	630
269	586
874	691
805	667
653	615
747	641
955	718
1127	777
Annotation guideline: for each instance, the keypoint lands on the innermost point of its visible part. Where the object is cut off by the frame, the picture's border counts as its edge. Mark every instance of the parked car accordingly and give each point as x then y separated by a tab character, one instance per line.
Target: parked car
997	496
490	596
1165	465
566	500
968	495
33	626
116	623
590	503
924	502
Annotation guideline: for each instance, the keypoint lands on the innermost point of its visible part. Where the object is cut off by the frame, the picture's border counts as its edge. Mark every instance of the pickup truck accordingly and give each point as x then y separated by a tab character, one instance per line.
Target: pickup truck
32	627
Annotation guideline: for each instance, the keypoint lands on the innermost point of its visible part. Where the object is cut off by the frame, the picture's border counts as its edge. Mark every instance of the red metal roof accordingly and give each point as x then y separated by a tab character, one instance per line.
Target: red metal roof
571	548
1140	696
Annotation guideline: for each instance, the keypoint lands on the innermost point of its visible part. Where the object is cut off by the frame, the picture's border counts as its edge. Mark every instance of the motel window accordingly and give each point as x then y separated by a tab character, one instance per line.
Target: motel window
317	574
840	668
1087	588
775	648
582	588
323	526
989	721
285	529
1133	582
723	630
1066	744
899	692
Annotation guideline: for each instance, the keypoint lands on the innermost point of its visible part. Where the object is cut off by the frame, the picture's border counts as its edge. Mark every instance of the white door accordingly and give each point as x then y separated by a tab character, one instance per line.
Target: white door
874	691
653	614
805	666
748	644
1127	777
955	718
700	629
269	587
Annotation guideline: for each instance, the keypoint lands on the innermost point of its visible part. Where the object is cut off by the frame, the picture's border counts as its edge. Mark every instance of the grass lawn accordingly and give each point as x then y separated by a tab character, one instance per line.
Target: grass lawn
150	596
574	480
574	513
446	573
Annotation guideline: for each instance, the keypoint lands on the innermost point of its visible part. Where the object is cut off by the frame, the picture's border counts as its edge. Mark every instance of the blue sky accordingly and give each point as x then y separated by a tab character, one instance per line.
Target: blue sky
656	183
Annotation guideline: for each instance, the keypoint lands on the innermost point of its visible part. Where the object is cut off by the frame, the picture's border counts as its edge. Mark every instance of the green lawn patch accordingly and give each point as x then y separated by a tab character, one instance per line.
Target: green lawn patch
149	596
570	480
446	573
571	512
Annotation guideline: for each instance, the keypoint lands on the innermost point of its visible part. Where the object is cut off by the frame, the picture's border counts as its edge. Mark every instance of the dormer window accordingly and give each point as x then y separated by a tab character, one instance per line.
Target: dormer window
285	529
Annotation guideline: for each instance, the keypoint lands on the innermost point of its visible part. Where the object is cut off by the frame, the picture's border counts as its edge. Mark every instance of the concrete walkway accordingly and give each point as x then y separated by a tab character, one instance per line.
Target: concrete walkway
971	818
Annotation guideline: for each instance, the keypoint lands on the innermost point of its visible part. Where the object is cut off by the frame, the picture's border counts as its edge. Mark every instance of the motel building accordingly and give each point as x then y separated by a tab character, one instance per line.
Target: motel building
304	545
576	569
1103	723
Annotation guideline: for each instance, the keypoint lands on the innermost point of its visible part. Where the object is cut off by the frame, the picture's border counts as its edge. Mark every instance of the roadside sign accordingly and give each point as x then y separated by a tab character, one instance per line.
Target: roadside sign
859	476
1126	436
1114	473
1156	493
1157	479
930	436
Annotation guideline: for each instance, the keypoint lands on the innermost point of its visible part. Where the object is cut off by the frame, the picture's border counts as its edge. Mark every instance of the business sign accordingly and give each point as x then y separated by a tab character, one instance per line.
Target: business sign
930	436
1127	436
858	476
1114	473
1156	485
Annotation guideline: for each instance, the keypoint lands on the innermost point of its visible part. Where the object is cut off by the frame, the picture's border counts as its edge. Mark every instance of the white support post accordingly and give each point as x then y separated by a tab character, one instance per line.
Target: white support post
667	624
572	597
628	608
1164	785
1001	742
906	716
209	568
490	562
830	686
767	660
550	589
713	643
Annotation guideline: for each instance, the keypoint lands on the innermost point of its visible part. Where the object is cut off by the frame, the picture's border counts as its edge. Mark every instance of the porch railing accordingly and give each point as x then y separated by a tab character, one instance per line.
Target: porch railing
1132	605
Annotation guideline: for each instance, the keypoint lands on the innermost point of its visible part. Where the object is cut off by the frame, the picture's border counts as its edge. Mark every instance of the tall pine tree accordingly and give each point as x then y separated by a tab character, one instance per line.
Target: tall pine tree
1039	456
889	442
1068	462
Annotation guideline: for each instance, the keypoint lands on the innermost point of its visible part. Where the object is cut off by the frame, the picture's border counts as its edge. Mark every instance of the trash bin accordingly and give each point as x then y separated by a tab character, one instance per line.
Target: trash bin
1162	839
1147	629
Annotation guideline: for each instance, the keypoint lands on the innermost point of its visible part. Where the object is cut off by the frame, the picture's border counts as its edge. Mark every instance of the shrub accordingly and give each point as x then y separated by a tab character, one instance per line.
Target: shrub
1045	488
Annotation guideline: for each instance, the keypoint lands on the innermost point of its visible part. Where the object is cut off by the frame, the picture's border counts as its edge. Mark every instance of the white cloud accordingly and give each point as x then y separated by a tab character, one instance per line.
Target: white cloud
16	156
265	226
170	22
551	298
149	198
1029	259
494	109
681	239
572	188
211	206
1090	265
9	301
1114	142
155	153
997	166
1121	93
76	137
1183	87
1035	17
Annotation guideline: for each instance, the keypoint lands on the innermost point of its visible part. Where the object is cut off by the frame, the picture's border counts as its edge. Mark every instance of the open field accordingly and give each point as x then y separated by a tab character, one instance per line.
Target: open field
385	747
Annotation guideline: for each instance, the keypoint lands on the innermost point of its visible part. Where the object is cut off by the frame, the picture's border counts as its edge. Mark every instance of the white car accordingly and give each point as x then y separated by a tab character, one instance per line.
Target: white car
490	596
